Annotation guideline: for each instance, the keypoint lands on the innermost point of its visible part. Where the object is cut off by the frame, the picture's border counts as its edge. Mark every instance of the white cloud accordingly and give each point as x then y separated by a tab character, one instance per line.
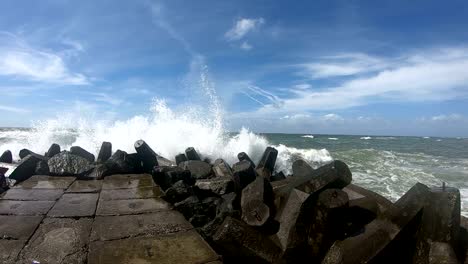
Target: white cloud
245	46
13	109
451	117
262	96
332	117
242	27
18	59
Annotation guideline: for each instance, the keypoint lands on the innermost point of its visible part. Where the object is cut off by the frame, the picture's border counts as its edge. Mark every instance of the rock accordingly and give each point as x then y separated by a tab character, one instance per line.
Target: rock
192	154
236	240
198	169
105	152
226	207
361	211
243	156
381	201
180	158
24	152
216	186
188	207
192	206
440	222
441	253
165	176
266	165
146	155
177	192
256	202
98	172
6	157
42	168
243	174
79	151
222	169
387	239
54	149
122	163
277	176
165	162
3	182
67	164
26	168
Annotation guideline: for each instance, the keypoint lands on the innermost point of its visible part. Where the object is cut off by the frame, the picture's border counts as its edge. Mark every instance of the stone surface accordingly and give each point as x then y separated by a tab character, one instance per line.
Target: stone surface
222	169
75	205
42	168
25	168
125	226
46	182
85	186
58	240
256	202
216	186
192	154
180	158
105	152
67	164
18	227
79	151
9	207
243	156
177	192
198	169
165	176
121	162
126	181
266	165
9	250
132	206
54	149
135	193
243	174
21	194
187	247
147	155
6	157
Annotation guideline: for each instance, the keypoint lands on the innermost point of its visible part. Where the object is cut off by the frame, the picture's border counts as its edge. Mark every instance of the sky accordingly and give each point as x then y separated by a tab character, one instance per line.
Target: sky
391	67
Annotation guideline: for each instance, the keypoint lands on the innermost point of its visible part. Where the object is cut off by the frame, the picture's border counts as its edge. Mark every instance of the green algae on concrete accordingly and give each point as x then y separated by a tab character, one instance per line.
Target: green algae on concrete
18	227
134	193
125	226
74	205
21	194
58	240
126	181
131	206
184	247
81	186
9	207
45	182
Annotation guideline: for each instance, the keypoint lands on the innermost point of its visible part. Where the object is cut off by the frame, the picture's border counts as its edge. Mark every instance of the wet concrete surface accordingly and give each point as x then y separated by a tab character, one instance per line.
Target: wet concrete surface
120	219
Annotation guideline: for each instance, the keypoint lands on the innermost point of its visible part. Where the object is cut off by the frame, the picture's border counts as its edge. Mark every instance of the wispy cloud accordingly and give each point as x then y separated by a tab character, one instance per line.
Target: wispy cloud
245	46
242	27
20	60
450	117
14	109
262	96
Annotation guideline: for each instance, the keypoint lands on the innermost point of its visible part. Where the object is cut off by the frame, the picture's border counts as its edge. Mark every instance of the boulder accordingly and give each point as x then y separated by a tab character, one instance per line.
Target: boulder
180	158
122	163
188	207
266	165
42	168
148	157
25	168
105	152
165	176
198	169
243	174
3	182
67	164
238	242
277	176
54	149
222	169
79	151
215	186
243	156
97	173
382	202
227	206
6	157
24	152
177	192
192	154
257	202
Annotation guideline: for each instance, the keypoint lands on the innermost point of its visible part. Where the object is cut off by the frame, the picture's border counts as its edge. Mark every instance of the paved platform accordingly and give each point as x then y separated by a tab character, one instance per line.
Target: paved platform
121	219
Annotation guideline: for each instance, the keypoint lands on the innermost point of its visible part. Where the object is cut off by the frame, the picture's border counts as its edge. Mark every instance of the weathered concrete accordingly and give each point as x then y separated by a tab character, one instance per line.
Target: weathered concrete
134	193
132	206
199	169
85	186
74	205
187	247
18	227
66	163
127	181
148	225
105	152
25	168
9	250
46	182
20	194
8	207
58	240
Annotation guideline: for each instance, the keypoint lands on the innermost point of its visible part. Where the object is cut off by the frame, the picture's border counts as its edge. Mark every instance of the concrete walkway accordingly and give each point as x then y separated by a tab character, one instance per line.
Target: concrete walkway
121	219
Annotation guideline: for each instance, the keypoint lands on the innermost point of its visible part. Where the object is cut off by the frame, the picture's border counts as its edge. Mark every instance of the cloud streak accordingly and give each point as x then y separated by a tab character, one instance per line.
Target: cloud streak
242	27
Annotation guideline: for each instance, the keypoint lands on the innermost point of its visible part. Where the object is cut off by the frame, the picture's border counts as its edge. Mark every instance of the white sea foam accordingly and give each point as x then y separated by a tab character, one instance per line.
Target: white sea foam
308	136
332	138
366	138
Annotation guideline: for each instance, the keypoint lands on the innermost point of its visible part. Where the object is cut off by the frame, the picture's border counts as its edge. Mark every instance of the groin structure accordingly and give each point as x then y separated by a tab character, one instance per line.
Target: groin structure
118	207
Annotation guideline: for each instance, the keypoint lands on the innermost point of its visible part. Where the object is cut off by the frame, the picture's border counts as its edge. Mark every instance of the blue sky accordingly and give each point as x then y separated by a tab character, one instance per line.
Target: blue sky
346	67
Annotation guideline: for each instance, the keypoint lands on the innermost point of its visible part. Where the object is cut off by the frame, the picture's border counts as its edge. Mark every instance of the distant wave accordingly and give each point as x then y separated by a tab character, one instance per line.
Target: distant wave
366	138
307	136
426	137
333	138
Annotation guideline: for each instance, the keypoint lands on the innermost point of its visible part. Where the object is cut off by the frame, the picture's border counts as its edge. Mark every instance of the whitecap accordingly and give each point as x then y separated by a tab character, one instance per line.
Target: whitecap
333	138
308	136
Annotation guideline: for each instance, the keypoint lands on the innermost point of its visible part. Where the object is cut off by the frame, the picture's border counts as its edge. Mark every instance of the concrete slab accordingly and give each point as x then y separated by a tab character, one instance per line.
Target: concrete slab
18	227
9	207
21	194
187	247
125	181
45	182
125	226
75	205
85	187
135	193
58	240
9	250
133	206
